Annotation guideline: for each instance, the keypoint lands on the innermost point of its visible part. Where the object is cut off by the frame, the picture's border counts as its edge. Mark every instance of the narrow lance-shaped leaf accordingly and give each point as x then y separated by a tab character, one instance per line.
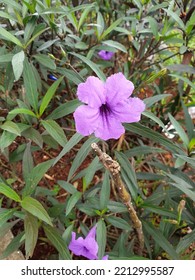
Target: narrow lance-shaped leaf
17	64
55	131
35	176
105	191
72	201
81	155
58	242
30	85
179	130
101	238
48	96
31	234
8	36
35	208
92	65
9	192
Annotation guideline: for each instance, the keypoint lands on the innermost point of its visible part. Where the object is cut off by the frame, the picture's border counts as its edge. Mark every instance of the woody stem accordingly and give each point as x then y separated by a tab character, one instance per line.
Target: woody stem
114	169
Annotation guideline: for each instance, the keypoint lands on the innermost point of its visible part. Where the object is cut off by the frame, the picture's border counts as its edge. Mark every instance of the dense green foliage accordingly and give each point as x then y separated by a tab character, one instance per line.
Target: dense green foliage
153	42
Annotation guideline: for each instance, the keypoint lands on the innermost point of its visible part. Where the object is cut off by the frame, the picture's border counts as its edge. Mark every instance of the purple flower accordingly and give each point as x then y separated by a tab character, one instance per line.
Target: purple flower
108	105
86	247
106	55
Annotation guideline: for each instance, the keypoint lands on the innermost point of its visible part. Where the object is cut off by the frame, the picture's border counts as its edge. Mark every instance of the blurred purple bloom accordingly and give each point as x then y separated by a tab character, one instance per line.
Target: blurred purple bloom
108	105
106	55
86	247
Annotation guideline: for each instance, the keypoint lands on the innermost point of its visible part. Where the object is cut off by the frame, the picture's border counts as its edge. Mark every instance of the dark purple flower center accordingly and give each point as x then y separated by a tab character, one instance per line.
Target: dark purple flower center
105	110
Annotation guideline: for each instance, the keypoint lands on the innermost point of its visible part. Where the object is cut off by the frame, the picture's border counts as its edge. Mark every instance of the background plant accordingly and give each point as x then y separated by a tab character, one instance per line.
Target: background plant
153	42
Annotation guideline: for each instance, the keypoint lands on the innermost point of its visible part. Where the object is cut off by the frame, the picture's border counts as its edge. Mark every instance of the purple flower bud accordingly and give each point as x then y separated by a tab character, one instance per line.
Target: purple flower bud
106	55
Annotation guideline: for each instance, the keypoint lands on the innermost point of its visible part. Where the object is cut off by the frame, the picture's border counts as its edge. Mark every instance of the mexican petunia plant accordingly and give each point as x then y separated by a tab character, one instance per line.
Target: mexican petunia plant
105	55
107	106
86	247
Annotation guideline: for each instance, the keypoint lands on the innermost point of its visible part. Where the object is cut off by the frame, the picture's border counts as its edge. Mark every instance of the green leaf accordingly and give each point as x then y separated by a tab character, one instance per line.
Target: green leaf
154	26
92	65
8	36
179	130
8	192
27	161
35	36
130	173
30	85
184	79
154	136
176	18
11	127
67	187
183	186
101	238
151	100
111	28
185	242
64	109
6	58
71	143
35	208
48	96
83	16
159	210
151	116
45	61
33	135
161	240
72	202
181	68
115	45
118	222
13	4
142	150
6	139
35	176
6	214
100	25
17	64
105	191
22	111
57	241
81	155
31	234
55	131
189	160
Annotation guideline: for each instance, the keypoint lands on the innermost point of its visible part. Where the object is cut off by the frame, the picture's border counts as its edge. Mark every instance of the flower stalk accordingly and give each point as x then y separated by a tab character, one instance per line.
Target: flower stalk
114	168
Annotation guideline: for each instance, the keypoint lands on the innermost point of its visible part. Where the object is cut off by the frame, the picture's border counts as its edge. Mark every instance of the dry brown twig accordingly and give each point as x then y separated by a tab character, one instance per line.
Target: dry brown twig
114	169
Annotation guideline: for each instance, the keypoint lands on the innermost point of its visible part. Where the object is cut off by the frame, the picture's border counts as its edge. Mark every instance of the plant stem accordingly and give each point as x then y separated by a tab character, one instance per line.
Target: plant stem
114	169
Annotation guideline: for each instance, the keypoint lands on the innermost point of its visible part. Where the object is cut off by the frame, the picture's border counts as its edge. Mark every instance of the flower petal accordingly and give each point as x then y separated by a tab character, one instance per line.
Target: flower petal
76	246
92	92
105	257
109	127
92	232
91	248
129	110
86	119
117	88
106	55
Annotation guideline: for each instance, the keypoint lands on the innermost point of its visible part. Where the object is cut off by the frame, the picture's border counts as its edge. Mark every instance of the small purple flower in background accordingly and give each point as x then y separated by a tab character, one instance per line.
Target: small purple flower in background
106	55
108	106
86	247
